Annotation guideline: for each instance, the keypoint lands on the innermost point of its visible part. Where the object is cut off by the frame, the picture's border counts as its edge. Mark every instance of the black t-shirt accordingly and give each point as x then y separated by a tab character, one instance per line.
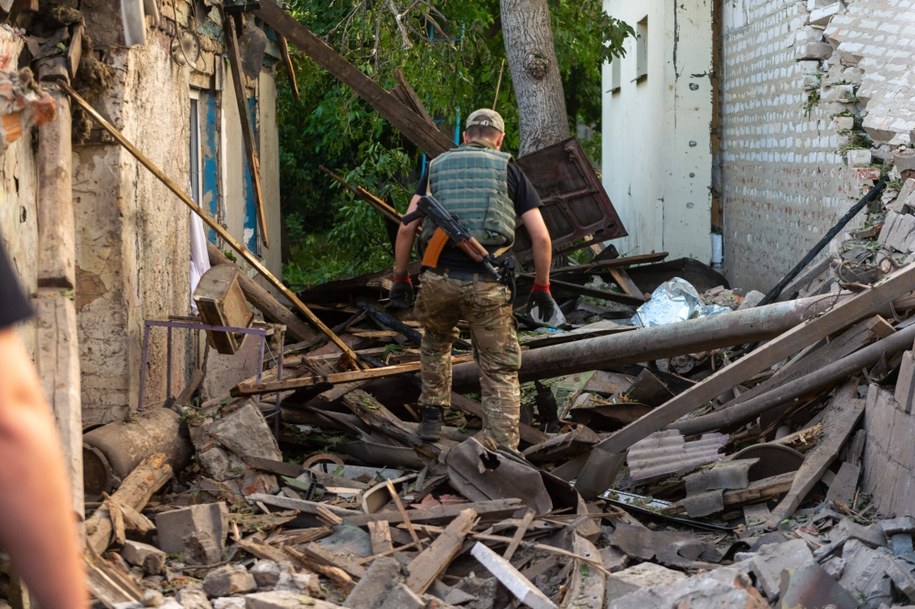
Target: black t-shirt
13	304
520	191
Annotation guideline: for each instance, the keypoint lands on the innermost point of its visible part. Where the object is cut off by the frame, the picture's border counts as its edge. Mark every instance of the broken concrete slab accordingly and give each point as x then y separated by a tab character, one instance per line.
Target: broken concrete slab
284	599
637	577
772	559
228	580
725	587
865	575
174	526
151	558
380	578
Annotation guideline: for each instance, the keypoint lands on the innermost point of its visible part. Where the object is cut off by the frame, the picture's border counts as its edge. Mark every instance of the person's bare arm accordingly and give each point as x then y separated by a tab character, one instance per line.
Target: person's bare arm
37	521
403	245
541	244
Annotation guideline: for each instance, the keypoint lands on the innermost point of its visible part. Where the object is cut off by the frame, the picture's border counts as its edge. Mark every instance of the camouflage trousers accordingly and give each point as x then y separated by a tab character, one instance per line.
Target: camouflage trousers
486	307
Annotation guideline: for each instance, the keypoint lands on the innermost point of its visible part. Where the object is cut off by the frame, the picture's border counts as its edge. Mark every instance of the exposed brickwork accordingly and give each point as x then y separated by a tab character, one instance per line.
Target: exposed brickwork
783	180
879	33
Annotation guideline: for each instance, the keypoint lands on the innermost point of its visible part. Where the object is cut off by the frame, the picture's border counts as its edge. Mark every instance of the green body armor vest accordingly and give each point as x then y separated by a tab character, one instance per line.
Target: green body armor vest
470	182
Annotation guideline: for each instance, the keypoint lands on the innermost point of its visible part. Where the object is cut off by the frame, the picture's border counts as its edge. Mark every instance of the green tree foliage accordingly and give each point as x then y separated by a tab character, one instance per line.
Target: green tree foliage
451	52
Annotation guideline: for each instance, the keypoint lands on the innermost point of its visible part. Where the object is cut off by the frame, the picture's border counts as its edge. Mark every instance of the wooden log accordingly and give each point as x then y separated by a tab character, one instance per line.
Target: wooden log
265	302
431	562
135	491
595	476
112	451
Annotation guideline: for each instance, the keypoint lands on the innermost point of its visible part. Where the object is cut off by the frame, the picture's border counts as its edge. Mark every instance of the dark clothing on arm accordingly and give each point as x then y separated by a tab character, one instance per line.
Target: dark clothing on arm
13	304
523	195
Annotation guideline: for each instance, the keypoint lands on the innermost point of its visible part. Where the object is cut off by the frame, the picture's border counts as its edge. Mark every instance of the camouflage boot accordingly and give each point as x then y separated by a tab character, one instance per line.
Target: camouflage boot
430	426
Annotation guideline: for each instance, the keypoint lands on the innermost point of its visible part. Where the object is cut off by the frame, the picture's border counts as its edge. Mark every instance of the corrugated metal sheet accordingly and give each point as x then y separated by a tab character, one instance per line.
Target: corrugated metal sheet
667	452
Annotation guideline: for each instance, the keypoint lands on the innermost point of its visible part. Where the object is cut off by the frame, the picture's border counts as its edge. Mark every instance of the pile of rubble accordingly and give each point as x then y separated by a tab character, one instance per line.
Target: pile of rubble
715	458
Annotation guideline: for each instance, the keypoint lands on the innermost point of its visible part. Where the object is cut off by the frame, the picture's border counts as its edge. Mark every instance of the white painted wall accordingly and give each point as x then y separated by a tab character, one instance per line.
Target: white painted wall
656	155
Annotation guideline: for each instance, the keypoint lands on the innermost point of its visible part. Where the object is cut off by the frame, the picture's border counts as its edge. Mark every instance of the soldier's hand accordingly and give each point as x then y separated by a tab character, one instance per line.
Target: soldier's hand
401	292
540	304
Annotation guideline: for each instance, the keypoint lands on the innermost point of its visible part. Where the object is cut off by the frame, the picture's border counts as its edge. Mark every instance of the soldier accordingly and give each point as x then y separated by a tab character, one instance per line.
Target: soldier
487	192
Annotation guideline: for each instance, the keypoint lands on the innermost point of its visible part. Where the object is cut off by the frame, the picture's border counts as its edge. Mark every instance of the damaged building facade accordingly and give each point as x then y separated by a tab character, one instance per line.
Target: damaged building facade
171	95
796	104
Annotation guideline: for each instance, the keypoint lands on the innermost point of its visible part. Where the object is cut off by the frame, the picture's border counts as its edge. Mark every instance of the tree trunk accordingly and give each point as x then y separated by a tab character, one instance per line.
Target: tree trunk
535	73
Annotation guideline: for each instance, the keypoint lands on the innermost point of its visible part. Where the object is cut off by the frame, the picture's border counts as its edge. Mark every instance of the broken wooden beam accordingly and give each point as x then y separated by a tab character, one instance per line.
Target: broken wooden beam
827	375
493	509
136	490
431	562
840	420
425	135
596	476
241	100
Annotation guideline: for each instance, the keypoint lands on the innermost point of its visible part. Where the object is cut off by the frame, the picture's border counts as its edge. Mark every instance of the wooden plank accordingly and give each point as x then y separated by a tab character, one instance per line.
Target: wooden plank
595	477
405	518
287	63
586	587
511	578
596	267
426	136
247	131
622	279
431	562
302	505
840	420
519	534
380	534
324	556
760	490
492	509
845	484
264	551
559	285
334	378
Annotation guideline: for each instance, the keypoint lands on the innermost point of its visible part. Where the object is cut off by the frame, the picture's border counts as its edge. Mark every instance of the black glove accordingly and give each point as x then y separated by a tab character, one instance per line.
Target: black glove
542	299
401	292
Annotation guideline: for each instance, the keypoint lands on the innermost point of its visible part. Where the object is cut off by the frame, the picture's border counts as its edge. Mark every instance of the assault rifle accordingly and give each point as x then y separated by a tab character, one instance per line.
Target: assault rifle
447	227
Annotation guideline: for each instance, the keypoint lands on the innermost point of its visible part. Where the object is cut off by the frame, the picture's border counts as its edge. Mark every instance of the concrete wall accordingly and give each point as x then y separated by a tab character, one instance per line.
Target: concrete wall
656	156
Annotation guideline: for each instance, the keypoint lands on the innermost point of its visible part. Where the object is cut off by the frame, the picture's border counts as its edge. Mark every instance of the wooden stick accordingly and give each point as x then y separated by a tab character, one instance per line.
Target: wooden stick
519	535
403	514
211	222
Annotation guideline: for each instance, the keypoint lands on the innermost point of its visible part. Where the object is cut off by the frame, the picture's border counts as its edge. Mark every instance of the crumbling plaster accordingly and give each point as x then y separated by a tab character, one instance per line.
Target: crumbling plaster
133	234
